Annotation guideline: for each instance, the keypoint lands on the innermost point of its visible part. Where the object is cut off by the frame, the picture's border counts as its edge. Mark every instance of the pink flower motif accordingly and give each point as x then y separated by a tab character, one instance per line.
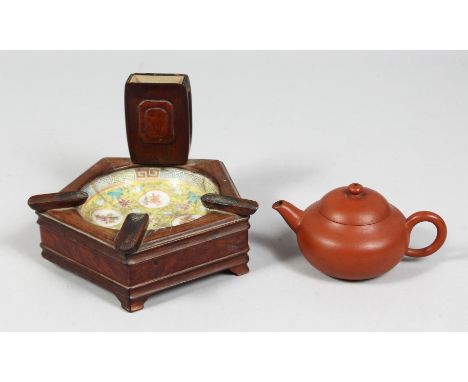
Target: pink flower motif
124	202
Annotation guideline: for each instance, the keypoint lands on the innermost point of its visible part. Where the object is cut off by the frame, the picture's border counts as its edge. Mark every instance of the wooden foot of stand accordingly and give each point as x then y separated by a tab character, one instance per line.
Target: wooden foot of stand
132	305
239	270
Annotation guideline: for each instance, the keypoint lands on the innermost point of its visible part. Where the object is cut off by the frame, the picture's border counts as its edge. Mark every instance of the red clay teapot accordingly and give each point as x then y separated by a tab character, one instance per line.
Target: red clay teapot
353	233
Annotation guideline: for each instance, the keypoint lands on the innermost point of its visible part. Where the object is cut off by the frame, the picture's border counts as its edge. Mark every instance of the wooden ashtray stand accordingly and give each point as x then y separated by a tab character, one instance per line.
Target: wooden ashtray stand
134	262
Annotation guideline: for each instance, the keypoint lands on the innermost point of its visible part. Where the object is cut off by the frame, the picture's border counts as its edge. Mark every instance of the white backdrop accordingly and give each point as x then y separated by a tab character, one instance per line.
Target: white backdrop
288	125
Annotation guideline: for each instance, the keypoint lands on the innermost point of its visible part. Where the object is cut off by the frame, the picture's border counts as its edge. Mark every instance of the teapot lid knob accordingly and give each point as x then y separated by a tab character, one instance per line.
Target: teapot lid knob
355	188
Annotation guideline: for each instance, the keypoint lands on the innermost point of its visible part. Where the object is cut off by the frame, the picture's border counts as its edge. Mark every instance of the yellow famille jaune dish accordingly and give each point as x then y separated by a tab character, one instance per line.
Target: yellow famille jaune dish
170	196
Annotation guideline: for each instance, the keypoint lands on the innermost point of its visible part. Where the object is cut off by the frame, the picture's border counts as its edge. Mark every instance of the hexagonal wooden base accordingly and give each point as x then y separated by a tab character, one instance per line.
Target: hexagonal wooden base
217	241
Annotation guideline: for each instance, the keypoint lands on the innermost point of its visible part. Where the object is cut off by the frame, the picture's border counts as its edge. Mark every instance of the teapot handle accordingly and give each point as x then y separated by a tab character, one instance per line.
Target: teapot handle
427	216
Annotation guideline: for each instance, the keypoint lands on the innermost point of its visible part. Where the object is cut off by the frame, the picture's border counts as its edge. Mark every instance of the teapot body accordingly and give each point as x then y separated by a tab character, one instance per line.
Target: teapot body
353	233
356	252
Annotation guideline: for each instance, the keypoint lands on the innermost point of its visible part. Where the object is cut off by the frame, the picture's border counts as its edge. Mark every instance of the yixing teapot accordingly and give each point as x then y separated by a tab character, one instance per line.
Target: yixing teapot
353	233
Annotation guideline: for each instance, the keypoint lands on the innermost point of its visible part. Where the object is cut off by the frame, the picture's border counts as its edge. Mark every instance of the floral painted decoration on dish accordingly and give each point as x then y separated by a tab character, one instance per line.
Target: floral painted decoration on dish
170	196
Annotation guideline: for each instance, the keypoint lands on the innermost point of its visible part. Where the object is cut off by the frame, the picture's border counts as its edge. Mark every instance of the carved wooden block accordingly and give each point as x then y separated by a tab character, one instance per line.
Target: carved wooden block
158	116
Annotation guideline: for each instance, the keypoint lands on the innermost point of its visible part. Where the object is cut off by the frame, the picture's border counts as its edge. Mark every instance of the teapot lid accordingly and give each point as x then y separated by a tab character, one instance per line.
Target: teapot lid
354	205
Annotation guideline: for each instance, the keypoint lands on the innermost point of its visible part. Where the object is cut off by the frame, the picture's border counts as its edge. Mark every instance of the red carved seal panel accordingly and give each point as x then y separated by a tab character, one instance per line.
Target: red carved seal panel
156	121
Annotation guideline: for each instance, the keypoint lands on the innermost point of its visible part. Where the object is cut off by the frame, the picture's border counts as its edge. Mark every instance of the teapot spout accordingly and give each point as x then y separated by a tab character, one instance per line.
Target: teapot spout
290	213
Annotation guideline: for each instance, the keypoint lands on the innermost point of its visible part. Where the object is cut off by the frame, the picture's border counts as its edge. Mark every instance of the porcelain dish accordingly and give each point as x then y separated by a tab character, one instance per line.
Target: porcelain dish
170	196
